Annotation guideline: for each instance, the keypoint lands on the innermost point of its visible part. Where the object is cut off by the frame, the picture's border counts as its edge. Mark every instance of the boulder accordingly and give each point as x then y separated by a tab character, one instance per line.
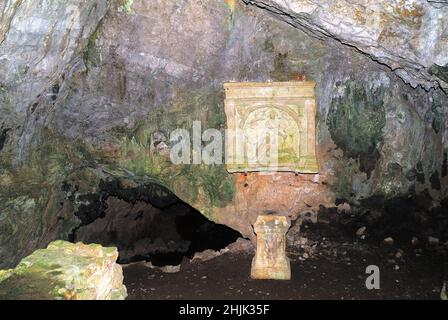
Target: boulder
65	271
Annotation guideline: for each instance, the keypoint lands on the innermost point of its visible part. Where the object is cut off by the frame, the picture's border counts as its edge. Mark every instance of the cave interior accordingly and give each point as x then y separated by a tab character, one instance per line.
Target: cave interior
115	149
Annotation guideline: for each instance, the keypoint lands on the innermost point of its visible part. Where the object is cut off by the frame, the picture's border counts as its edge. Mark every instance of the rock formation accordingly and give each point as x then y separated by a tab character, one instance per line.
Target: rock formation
90	92
409	36
65	271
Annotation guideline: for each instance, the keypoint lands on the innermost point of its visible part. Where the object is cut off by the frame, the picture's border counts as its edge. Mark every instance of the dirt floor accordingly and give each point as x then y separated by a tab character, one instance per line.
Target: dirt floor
327	266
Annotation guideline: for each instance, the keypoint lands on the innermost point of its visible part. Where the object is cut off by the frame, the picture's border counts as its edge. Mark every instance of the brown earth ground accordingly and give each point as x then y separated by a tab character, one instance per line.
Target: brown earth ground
334	268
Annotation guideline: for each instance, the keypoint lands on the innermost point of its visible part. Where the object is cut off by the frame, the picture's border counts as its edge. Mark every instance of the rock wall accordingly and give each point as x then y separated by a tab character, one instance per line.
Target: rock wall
41	43
138	229
98	88
409	36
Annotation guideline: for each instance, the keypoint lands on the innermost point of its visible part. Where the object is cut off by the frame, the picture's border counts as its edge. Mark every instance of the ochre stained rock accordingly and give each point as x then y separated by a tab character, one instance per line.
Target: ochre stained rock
283	192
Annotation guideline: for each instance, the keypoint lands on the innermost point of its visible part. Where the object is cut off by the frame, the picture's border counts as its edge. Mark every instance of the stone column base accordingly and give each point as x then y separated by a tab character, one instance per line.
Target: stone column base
280	271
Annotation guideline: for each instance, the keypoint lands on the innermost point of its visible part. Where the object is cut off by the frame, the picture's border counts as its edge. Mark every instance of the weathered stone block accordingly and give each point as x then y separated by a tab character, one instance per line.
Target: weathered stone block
271	126
270	261
65	271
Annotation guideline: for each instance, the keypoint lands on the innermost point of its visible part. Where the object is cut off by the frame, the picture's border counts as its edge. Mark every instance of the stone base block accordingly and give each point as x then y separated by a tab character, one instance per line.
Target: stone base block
280	271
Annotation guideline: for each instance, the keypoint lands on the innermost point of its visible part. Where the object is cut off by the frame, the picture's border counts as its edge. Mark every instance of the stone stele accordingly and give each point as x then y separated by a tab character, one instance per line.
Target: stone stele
274	119
270	261
65	271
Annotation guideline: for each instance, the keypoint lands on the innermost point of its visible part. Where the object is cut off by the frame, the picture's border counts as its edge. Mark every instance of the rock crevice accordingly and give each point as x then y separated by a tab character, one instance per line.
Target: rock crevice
411	37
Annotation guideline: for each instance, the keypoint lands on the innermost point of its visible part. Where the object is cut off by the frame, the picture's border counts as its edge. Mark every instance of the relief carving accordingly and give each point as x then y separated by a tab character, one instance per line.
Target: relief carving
271	127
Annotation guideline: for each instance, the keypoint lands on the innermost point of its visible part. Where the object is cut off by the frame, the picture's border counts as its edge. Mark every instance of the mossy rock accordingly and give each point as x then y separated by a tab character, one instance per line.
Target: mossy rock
65	271
356	121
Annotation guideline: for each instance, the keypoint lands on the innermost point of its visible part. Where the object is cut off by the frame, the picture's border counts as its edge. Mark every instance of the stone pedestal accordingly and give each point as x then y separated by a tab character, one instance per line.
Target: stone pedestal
270	261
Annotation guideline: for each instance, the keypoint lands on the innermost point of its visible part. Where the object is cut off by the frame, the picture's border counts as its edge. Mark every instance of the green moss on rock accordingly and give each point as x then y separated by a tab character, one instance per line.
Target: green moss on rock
439	71
438	115
125	6
202	186
65	271
31	194
92	55
356	121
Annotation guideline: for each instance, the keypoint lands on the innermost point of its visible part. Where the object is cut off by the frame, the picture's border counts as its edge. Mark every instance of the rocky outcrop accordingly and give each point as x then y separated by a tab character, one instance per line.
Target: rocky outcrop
409	36
137	229
41	46
65	271
99	87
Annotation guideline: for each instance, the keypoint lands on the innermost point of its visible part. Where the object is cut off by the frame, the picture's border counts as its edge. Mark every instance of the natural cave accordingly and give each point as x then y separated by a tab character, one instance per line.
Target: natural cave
149	223
223	149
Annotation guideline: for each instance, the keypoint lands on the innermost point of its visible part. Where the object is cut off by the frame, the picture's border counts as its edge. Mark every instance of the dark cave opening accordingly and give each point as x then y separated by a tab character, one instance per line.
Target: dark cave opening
193	228
200	232
147	223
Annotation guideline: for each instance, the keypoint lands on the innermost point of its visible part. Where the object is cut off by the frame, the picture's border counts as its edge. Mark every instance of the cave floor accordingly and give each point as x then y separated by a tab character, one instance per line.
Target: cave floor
324	276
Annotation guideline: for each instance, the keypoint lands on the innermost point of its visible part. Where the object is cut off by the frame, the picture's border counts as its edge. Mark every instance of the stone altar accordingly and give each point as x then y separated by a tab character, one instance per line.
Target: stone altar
270	261
271	128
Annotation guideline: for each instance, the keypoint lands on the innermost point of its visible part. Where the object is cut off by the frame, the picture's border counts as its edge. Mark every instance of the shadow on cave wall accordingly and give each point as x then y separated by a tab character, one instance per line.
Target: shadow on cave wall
402	218
147	223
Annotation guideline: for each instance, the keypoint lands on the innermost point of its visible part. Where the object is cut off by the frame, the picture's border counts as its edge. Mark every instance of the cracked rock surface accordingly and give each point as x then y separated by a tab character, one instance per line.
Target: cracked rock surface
91	90
409	36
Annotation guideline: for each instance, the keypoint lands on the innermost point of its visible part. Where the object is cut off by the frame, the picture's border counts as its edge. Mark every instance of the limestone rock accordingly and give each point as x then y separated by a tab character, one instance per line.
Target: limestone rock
408	36
433	241
399	254
96	91
361	232
344	208
241	245
170	269
388	241
65	271
164	269
415	241
207	255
